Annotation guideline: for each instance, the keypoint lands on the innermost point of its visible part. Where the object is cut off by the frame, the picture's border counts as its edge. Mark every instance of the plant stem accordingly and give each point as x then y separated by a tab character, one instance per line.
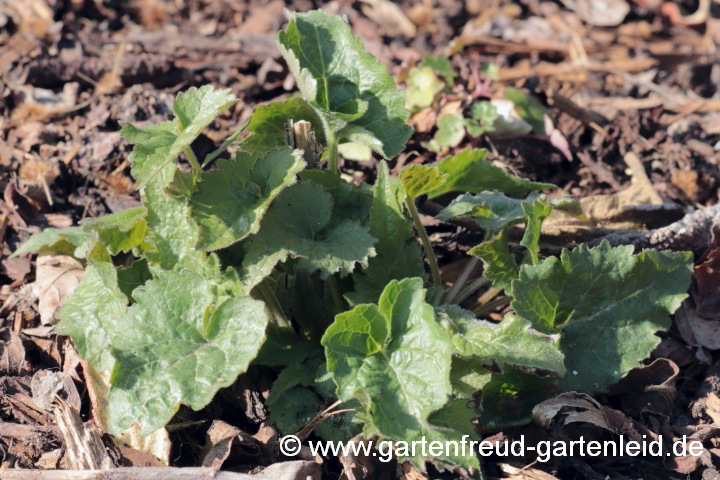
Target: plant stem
427	246
483	309
273	304
332	152
474	286
460	282
193	159
226	143
335	294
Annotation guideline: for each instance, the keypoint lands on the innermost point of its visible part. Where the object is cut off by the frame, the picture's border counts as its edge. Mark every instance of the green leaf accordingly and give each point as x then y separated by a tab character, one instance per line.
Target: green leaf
498	263
607	303
470	172
509	343
395	358
133	276
421	179
298	224
173	233
231	201
508	398
451	131
179	344
92	313
483	118
491	210
299	374
441	65
121	231
422	86
361	136
333	70
267	124
294	409
398	253
158	145
350	201
283	347
529	108
536	212
53	240
468	376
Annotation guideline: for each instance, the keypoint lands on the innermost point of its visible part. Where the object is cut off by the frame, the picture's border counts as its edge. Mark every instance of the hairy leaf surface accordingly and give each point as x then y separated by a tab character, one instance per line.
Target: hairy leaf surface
298	224
607	303
94	311
231	201
179	343
395	358
509	343
421	179
158	145
121	231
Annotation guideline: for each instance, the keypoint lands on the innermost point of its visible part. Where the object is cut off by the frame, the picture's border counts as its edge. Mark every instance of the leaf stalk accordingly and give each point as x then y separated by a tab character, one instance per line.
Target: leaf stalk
427	246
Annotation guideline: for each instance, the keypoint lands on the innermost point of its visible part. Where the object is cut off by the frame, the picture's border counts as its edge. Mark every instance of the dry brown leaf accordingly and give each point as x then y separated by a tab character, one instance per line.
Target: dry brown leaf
389	16
601	13
47	385
55	280
156	444
12	353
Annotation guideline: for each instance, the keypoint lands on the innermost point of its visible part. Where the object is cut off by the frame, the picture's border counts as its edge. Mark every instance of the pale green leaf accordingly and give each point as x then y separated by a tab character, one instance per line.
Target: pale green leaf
355	151
178	344
121	231
470	172
333	70
172	232
450	132
362	136
420	179
92	314
509	343
398	253
231	200
53	240
468	376
483	118
395	358
158	145
607	303
422	86
441	65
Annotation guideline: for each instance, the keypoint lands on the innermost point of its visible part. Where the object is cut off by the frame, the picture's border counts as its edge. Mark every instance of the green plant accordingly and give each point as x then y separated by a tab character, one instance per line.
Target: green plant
263	260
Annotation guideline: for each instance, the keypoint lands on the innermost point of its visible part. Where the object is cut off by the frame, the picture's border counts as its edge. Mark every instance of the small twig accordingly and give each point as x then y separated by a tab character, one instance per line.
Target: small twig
692	232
